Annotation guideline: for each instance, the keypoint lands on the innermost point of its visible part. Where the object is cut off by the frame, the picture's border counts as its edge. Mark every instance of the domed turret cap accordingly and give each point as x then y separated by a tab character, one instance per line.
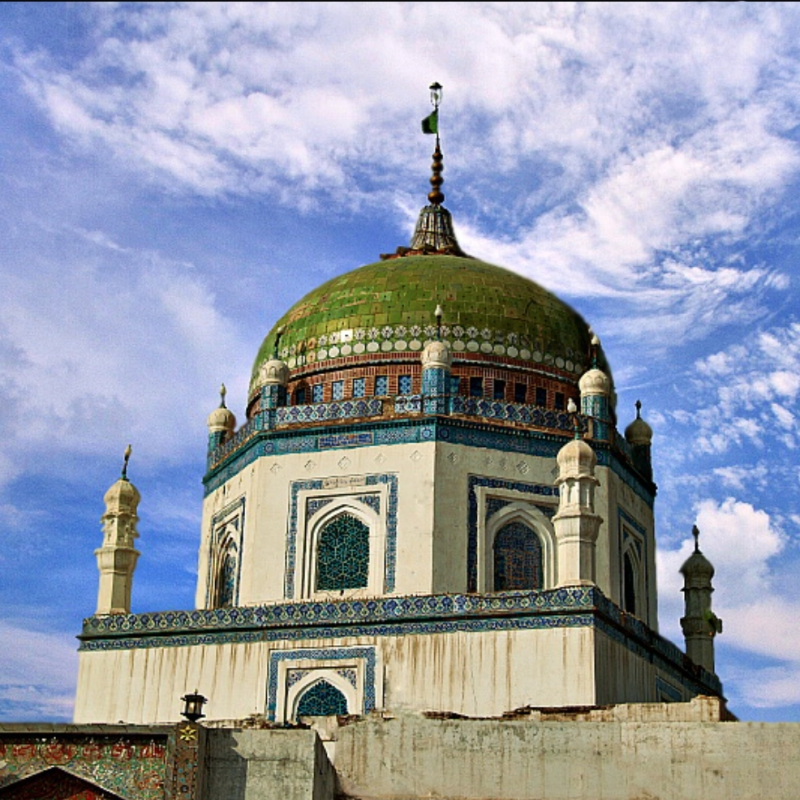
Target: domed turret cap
576	458
697	569
222	418
639	432
122	494
594	381
273	373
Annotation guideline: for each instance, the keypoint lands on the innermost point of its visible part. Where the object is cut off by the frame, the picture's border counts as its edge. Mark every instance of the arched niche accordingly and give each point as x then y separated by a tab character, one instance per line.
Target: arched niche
519	515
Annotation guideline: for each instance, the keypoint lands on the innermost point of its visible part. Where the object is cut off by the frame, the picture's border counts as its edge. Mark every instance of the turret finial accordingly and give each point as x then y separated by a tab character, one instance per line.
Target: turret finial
595	344
125	459
438	313
222	392
279	331
696	534
638	405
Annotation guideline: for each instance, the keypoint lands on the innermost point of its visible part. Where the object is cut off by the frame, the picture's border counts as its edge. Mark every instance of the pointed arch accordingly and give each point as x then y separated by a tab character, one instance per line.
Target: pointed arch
227	583
342	557
344	547
321	699
519	550
631	594
517	557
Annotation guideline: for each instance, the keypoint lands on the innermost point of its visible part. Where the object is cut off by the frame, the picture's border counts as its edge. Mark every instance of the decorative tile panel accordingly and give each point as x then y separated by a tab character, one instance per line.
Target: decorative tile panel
475	481
391	525
324	654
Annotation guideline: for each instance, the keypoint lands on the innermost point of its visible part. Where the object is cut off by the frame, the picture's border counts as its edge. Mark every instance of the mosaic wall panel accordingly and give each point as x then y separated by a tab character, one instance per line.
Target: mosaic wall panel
322	700
517	558
129	767
324	654
342	554
390	481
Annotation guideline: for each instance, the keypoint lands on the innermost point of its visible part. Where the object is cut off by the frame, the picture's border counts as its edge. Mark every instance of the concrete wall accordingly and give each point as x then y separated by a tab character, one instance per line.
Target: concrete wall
267	765
413	757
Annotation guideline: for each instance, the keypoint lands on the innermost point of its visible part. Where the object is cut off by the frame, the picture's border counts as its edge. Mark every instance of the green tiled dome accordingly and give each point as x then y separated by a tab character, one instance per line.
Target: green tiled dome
388	307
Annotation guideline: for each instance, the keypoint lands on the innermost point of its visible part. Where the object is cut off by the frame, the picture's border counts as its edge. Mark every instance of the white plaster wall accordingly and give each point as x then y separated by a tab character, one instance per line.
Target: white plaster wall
624	677
476	673
613	493
454	465
266	486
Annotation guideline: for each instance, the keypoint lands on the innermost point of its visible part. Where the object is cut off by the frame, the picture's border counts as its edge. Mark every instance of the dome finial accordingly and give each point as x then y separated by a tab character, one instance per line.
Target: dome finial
125	459
222	392
438	313
696	534
431	125
638	405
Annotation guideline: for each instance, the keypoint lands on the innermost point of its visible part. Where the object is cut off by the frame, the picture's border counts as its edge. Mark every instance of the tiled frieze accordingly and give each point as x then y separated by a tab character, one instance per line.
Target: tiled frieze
422	429
571	607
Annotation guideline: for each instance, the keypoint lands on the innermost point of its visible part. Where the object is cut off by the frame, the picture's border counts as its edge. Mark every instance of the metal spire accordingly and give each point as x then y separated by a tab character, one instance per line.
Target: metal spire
125	459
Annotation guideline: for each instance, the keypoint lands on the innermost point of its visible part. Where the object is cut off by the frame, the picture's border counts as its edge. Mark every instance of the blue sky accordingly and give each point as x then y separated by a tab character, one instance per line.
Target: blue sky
174	176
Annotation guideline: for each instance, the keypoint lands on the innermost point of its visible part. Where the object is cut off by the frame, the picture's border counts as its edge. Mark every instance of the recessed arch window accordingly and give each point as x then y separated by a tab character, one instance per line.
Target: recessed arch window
517	558
629	580
226	579
343	554
322	700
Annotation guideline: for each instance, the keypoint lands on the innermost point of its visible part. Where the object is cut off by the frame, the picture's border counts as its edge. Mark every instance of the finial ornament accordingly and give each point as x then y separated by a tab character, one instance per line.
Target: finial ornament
595	344
438	313
638	409
125	459
279	331
222	392
696	534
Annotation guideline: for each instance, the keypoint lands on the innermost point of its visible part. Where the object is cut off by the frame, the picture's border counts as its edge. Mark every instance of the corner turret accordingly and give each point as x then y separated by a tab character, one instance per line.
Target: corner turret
576	524
116	559
700	625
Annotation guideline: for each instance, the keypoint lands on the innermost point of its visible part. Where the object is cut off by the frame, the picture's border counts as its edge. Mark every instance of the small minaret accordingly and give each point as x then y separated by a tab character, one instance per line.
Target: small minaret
436	362
639	436
576	525
273	378
221	424
595	388
116	559
700	625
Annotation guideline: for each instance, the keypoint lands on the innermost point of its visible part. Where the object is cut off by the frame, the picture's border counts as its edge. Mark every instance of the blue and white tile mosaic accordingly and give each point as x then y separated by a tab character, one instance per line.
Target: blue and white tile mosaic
367	654
371	500
399	616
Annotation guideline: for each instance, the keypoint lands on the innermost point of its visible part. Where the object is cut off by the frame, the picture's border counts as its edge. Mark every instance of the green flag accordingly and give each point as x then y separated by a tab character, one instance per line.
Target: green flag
431	123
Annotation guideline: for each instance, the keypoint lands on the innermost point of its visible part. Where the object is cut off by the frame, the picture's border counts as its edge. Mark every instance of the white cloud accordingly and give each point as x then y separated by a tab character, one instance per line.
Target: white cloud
742	543
96	359
748	394
654	126
39	673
